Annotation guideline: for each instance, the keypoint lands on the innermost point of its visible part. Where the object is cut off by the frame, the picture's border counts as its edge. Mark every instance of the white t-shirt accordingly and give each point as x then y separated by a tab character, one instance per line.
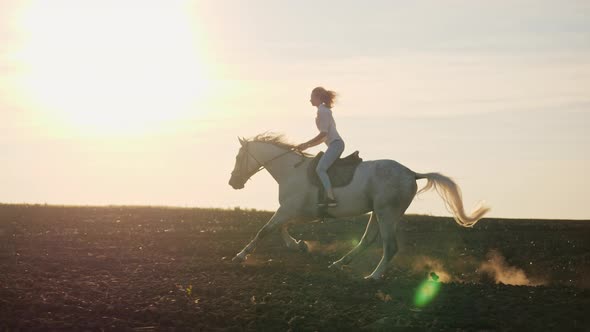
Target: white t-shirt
325	123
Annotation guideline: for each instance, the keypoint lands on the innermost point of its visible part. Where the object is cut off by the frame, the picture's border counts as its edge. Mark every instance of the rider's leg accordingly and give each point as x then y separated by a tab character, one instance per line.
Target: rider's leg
333	152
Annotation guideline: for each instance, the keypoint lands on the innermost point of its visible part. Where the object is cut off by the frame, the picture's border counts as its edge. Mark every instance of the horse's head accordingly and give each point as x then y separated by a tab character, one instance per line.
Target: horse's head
244	168
257	154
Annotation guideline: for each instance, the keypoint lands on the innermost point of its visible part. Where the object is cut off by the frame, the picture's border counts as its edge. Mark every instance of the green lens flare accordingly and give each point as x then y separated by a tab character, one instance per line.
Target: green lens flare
426	292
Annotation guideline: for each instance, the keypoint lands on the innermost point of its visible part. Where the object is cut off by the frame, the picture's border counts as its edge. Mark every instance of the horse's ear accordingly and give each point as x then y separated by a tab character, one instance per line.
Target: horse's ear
242	141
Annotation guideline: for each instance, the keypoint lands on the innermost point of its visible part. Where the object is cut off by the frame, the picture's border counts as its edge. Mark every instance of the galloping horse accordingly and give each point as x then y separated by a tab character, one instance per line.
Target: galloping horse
383	187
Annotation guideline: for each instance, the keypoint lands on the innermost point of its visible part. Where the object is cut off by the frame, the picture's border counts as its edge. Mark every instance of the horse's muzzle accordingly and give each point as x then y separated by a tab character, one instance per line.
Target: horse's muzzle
235	183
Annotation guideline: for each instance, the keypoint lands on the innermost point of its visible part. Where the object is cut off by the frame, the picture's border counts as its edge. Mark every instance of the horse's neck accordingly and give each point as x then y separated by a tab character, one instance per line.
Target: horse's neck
278	160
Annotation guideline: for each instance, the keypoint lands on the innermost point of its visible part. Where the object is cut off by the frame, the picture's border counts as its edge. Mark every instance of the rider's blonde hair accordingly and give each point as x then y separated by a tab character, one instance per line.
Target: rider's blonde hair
328	97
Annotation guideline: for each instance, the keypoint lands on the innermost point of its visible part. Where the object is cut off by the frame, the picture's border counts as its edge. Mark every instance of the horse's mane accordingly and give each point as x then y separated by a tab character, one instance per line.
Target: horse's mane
277	139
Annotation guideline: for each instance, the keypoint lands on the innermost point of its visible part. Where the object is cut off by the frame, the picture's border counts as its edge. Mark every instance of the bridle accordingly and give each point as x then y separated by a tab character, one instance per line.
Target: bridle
261	165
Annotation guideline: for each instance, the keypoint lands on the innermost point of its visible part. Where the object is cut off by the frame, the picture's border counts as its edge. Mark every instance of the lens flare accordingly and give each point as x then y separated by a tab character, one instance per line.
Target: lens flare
427	291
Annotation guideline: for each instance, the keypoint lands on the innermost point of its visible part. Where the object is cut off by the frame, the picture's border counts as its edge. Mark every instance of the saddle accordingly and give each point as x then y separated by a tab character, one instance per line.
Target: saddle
340	173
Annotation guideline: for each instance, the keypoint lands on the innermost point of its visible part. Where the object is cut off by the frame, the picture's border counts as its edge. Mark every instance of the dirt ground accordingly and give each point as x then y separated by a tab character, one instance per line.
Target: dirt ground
152	268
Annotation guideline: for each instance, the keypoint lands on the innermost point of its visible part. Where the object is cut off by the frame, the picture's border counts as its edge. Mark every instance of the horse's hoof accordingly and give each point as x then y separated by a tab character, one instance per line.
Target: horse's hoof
373	277
238	259
337	265
303	246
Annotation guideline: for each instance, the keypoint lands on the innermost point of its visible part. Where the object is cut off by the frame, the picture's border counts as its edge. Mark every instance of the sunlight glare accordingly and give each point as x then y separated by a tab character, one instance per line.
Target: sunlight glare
112	67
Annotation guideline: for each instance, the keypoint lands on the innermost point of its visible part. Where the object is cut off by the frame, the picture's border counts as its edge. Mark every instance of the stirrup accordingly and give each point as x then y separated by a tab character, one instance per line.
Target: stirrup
328	202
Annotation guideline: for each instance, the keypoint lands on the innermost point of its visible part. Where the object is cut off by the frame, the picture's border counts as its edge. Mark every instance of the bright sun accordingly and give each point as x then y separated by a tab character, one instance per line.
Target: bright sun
112	66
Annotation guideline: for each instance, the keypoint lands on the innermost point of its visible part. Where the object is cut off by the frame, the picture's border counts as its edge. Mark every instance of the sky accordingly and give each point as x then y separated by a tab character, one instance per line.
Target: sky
140	102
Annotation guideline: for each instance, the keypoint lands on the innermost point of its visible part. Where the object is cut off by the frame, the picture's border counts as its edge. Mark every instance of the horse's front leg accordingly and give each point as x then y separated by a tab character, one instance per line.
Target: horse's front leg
292	243
280	218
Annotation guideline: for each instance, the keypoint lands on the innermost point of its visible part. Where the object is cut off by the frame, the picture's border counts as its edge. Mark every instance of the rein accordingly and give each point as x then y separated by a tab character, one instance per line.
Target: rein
262	165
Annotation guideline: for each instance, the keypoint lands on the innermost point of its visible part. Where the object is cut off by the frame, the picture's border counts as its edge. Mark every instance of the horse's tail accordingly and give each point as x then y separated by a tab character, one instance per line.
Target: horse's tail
450	192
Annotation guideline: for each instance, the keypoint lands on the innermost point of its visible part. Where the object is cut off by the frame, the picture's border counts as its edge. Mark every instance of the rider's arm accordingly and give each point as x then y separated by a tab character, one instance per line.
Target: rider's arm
323	123
319	139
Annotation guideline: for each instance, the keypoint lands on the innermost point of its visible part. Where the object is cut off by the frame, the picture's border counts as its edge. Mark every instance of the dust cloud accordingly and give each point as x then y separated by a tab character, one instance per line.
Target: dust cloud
429	264
502	273
464	268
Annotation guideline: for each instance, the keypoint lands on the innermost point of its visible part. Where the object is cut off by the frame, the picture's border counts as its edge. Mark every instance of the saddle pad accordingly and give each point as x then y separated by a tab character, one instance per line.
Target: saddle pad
340	173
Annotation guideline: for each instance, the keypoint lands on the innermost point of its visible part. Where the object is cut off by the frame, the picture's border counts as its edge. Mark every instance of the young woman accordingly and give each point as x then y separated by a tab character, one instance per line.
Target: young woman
324	100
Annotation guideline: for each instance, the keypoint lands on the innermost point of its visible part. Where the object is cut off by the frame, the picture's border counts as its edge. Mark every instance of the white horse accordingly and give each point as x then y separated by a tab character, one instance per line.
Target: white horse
383	187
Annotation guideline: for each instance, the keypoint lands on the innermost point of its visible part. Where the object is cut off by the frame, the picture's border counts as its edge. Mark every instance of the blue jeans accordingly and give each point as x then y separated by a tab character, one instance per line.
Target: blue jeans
333	152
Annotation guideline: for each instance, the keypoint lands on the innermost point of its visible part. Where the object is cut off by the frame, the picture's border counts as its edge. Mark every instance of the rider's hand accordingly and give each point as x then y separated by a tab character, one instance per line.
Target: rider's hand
302	146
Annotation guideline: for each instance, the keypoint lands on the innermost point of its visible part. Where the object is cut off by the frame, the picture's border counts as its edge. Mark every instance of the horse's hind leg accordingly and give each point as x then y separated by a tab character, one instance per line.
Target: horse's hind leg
369	237
387	219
